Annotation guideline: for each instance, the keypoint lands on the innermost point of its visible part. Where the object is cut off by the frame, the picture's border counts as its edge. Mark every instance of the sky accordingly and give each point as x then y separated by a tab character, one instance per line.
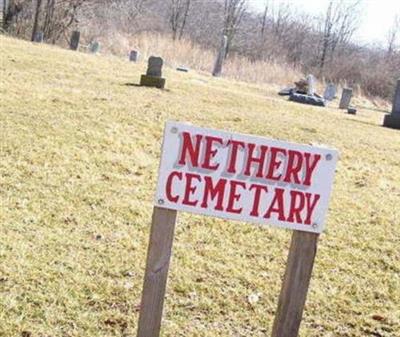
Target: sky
377	16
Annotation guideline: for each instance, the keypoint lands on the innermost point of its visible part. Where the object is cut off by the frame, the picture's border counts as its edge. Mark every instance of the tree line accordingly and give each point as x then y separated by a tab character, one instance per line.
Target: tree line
323	45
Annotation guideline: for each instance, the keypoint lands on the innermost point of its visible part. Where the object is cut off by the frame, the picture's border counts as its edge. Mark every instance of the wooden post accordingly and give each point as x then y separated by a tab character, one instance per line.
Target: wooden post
293	295
157	265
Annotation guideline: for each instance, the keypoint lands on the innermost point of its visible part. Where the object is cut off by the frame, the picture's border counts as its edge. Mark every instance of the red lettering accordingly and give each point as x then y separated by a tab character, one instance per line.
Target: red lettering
257	196
190	189
257	160
234	196
310	206
275	163
310	167
216	191
234	147
188	149
210	153
297	203
277	205
168	187
294	166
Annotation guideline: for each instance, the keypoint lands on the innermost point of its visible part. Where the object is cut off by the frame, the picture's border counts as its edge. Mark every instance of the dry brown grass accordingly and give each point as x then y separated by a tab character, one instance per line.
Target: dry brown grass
185	52
78	167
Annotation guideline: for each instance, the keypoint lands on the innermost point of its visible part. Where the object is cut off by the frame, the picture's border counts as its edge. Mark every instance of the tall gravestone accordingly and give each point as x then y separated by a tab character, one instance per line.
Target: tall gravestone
39	37
310	85
393	120
133	56
330	92
153	77
220	57
75	37
347	94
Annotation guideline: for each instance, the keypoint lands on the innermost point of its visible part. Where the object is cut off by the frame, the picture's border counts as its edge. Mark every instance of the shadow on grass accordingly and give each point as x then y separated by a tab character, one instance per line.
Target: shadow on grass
131	85
372	109
143	86
363	122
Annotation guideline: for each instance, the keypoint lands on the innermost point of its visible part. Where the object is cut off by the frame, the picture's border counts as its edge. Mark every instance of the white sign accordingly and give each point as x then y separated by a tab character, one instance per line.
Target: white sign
243	177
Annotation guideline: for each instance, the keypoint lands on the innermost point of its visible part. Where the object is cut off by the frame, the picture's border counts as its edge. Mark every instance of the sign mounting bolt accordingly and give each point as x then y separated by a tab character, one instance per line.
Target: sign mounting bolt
174	129
161	201
314	225
328	156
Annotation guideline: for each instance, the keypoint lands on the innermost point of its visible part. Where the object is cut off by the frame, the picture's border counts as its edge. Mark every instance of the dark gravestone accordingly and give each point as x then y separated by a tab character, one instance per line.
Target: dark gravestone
347	93
154	72
306	99
75	37
39	37
393	120
133	56
351	111
286	92
154	66
396	99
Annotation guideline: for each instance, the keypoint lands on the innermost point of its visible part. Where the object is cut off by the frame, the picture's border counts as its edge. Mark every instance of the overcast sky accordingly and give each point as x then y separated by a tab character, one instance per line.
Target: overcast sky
377	15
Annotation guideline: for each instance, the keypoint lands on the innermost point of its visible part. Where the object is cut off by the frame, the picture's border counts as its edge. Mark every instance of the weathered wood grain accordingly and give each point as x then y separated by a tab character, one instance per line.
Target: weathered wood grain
293	295
157	265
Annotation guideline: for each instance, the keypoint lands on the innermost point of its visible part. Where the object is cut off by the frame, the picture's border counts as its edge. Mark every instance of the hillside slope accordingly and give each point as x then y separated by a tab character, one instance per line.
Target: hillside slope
79	155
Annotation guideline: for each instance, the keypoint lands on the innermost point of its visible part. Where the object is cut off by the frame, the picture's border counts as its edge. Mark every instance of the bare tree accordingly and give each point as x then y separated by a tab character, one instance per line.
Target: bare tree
264	17
36	19
179	13
234	11
341	21
134	8
281	20
393	37
11	10
59	16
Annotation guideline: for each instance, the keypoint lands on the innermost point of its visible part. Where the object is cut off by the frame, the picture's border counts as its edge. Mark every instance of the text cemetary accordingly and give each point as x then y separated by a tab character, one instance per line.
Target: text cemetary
245	177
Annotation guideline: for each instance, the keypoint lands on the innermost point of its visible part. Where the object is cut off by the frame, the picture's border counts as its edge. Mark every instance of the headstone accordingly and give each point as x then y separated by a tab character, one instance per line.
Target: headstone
286	91
393	120
221	56
330	92
75	37
133	56
396	99
310	85
39	37
94	47
154	66
347	93
154	72
307	99
351	111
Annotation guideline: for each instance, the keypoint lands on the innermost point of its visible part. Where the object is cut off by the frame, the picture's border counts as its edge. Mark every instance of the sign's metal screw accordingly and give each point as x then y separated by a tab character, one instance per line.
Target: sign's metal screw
314	225
174	129
161	201
328	156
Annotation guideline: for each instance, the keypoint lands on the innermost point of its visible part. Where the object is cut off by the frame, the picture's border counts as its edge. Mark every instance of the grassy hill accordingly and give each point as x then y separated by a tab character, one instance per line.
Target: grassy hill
80	146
